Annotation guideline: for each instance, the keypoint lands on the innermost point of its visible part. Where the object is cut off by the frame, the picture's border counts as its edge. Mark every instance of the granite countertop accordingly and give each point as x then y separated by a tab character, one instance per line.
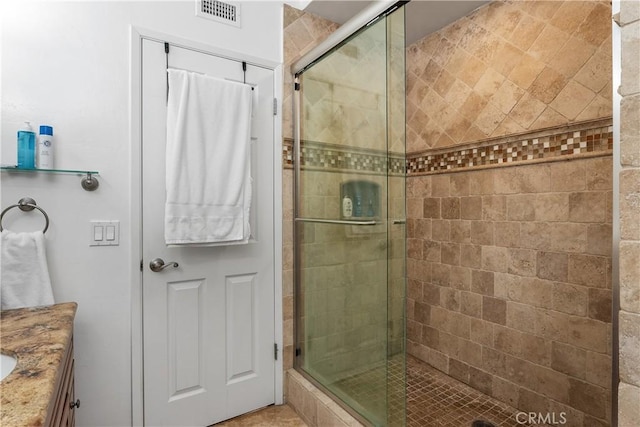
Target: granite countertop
38	338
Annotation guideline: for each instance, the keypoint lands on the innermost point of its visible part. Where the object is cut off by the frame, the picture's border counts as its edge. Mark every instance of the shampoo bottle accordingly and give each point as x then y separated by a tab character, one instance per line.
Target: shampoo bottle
45	148
26	147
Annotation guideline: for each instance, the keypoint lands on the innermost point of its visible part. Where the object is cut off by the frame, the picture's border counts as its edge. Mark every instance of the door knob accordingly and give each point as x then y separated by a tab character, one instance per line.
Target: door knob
159	265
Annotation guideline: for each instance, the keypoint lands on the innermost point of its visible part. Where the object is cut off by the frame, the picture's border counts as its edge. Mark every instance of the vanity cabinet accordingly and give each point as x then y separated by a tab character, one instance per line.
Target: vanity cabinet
40	390
62	407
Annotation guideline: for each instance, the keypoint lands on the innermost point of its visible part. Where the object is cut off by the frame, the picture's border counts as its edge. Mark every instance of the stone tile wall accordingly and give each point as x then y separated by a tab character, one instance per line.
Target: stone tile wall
509	283
510	266
509	67
629	320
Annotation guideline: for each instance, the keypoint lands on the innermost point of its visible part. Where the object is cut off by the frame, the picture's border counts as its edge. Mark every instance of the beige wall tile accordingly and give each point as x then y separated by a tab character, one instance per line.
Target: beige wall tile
594	74
494	310
600	176
570	299
595	27
629	11
568	359
588	398
568	176
521	207
507	340
587	207
494	208
629	200
573	98
471	207
546	45
482	282
521	316
588	270
630	138
494	258
600	304
629	348
598	369
471	256
629	276
532	402
461	231
551	207
628	408
482	232
522	262
505	391
552	266
507	234
450	208
571	14
526	72
549	83
536	349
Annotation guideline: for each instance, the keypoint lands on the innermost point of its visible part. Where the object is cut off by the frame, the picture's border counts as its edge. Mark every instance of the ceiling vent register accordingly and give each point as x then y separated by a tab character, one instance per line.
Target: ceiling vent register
219	11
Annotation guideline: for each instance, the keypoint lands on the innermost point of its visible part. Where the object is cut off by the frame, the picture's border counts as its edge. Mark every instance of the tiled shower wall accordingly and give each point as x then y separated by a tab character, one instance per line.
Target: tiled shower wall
510	265
509	283
509	67
629	389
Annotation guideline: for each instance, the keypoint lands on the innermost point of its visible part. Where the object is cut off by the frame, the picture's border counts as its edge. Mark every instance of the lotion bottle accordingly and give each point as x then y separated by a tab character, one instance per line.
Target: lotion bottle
26	147
45	148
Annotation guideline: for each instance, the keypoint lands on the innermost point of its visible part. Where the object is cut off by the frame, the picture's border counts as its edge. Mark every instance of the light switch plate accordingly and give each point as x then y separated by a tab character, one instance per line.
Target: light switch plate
104	233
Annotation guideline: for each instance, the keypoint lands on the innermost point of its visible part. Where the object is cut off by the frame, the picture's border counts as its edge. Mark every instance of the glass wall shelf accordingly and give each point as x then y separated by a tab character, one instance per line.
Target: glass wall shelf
89	181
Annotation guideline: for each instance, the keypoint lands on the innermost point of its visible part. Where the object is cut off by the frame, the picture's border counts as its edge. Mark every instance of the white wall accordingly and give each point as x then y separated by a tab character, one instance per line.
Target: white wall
67	64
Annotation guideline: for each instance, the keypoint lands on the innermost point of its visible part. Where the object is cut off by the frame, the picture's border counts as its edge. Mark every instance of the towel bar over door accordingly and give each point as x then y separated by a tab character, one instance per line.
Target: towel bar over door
26	204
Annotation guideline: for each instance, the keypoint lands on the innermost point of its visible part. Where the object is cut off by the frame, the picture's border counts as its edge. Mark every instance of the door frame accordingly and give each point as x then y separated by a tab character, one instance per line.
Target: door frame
137	34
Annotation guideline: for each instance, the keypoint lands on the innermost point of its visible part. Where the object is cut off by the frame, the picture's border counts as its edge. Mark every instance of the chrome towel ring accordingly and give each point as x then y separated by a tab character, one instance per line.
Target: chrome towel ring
27	204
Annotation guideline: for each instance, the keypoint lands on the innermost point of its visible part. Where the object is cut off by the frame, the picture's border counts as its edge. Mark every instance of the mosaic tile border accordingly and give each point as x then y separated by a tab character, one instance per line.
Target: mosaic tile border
336	158
593	137
581	139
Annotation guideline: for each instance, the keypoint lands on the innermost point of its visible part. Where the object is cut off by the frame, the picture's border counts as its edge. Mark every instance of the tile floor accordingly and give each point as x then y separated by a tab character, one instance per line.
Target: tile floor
271	416
433	400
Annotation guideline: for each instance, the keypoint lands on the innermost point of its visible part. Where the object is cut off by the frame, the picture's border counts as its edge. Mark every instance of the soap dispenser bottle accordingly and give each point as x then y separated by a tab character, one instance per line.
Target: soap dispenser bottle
26	147
347	207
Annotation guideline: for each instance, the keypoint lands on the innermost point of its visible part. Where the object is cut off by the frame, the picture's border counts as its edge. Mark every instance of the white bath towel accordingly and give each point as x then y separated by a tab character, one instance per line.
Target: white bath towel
24	275
208	171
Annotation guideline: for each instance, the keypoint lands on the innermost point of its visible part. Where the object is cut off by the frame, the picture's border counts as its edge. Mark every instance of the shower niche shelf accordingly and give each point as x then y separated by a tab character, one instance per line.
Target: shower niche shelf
89	182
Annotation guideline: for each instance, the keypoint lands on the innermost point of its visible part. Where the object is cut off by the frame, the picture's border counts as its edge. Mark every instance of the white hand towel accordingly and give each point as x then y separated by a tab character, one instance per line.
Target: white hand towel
208	174
24	275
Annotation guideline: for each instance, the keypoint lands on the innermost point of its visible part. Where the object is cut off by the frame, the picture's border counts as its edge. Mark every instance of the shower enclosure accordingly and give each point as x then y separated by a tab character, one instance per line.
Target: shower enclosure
350	220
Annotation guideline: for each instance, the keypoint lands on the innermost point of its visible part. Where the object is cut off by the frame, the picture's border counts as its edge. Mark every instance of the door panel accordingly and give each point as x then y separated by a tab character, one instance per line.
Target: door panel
208	325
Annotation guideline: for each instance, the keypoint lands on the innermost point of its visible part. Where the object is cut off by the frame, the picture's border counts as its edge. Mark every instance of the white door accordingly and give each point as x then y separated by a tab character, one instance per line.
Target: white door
208	325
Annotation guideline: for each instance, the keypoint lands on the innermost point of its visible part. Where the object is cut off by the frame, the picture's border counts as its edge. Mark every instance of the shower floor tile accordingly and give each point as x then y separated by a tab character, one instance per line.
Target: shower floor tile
433	398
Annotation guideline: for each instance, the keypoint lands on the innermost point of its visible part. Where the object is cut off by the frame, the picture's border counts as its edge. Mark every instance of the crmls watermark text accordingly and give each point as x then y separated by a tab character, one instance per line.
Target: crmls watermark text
551	418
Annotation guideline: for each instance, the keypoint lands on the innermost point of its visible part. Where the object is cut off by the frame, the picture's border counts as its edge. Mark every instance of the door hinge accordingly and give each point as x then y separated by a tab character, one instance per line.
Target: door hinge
298	351
275	106
275	351
141	265
296	86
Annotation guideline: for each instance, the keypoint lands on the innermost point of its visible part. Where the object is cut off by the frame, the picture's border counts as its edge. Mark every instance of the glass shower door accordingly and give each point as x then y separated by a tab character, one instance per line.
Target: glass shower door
350	232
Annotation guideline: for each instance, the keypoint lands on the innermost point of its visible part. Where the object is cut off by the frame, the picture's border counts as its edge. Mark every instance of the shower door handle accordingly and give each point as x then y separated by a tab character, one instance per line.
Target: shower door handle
157	265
